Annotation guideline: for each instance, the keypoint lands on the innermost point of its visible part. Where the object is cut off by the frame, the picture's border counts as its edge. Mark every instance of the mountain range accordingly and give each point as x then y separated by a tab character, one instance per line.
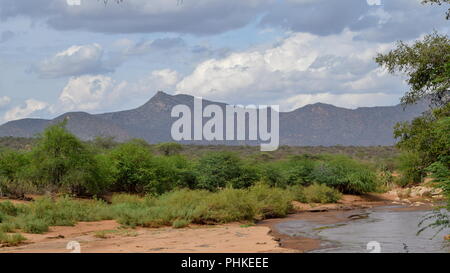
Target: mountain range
312	125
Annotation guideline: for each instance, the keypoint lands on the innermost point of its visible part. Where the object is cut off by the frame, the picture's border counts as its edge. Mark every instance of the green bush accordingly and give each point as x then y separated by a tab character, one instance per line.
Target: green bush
8	227
34	225
220	169
14	167
225	206
135	167
345	175
319	193
11	240
180	223
60	161
410	167
270	201
294	171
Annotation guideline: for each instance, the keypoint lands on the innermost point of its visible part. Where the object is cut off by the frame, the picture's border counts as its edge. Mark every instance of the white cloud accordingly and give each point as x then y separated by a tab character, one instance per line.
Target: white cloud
74	61
4	101
96	93
87	93
346	100
301	64
31	106
374	2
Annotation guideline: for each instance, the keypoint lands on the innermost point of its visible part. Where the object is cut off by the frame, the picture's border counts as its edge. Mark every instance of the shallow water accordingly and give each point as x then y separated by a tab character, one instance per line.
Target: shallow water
392	231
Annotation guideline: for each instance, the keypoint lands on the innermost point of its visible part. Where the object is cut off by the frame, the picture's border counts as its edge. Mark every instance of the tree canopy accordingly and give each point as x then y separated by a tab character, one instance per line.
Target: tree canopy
426	64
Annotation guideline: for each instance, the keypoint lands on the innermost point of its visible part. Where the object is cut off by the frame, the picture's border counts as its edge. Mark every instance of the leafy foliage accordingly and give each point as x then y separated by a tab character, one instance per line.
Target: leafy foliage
346	175
61	161
427	66
218	170
317	193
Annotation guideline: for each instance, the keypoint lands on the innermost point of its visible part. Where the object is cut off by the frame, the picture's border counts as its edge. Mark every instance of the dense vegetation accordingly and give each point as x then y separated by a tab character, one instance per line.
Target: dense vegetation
177	208
60	163
155	186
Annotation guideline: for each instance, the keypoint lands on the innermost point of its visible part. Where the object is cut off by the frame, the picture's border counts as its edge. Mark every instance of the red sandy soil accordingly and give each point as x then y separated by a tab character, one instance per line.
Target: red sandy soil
233	237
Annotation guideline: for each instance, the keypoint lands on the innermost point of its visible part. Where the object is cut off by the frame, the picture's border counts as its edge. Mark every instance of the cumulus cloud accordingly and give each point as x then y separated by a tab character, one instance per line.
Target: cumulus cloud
158	80
31	106
74	61
86	93
301	64
94	93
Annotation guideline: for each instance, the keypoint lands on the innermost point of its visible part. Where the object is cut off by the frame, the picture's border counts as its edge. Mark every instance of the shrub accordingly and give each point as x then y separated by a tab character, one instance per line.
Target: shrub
171	172
271	202
345	174
120	198
217	170
11	240
8	227
225	206
180	223
295	171
319	193
409	166
34	225
9	208
13	169
163	210
135	167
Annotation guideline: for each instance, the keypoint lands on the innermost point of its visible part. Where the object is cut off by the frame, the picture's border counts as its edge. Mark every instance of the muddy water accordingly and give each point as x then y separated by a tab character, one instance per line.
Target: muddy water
390	231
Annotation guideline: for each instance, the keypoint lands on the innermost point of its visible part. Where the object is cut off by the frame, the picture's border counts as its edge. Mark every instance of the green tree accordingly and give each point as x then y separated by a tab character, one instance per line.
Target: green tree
345	174
220	169
13	166
61	161
427	66
135	167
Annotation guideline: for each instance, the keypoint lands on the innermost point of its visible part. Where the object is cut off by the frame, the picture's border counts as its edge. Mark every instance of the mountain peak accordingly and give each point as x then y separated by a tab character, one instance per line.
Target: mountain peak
311	125
160	95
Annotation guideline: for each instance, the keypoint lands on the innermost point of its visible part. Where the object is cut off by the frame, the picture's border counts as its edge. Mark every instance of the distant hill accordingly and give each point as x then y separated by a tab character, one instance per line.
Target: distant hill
312	125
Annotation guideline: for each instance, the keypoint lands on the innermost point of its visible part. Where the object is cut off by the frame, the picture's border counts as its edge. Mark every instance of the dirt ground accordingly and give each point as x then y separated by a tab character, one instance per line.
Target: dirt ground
108	236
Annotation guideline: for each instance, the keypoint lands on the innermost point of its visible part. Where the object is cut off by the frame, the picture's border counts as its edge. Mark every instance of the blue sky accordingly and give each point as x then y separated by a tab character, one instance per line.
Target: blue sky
55	57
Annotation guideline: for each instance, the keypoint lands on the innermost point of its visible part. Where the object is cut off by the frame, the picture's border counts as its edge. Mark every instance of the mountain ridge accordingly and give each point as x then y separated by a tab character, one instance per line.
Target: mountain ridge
317	124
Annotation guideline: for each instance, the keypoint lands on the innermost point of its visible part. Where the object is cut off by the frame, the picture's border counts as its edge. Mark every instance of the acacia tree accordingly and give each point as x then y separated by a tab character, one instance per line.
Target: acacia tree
61	161
427	66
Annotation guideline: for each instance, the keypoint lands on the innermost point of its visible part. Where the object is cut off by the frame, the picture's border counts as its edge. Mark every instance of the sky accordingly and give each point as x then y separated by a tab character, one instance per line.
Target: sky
57	57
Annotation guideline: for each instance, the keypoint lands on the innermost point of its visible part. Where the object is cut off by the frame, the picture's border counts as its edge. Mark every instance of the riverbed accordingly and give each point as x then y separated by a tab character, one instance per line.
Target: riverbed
387	230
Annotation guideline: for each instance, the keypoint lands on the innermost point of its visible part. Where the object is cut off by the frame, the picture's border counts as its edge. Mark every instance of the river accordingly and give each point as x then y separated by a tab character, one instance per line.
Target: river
381	230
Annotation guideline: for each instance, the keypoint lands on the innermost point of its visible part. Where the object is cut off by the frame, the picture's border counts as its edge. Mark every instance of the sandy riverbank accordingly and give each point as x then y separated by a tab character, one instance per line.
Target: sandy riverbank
108	236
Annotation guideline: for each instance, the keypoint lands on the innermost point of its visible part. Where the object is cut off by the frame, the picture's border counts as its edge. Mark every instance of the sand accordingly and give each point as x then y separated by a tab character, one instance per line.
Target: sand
109	237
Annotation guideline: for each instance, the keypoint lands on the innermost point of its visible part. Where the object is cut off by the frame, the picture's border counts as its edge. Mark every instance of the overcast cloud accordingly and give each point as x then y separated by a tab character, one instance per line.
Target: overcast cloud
100	58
